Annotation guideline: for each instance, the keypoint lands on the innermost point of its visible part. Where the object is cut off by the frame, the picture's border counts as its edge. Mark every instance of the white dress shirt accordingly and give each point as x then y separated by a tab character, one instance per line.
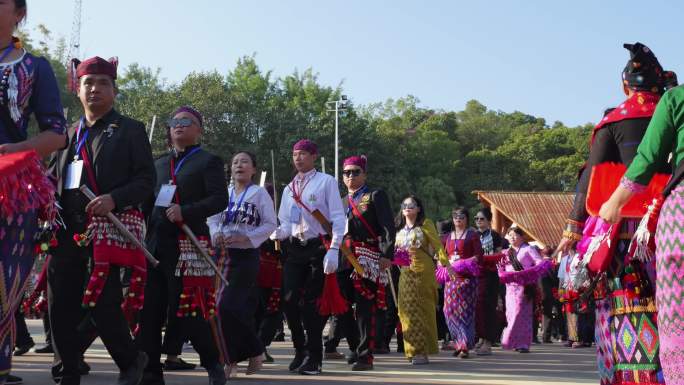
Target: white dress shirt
255	218
320	191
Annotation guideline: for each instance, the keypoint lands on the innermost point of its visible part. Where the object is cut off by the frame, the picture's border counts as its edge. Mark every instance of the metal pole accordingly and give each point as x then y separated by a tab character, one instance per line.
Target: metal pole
337	161
154	121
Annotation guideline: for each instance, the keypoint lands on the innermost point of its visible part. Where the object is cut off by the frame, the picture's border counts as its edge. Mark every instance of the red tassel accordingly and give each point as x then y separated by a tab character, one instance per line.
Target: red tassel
331	301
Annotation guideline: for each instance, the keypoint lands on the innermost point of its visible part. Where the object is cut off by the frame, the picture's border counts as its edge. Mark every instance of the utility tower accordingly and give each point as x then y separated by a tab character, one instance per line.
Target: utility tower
75	39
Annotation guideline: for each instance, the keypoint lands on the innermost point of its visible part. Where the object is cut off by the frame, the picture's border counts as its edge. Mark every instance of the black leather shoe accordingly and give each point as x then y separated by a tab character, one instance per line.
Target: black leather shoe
216	375
178	365
297	361
310	368
279	337
47	349
352	358
382	350
267	358
153	378
23	349
13	380
134	373
362	366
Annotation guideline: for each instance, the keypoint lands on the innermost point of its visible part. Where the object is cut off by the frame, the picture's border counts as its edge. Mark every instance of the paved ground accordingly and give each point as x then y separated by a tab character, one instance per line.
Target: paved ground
547	364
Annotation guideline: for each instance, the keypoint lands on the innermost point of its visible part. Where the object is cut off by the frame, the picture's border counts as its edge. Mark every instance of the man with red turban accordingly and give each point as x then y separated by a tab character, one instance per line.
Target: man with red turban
309	252
370	235
111	155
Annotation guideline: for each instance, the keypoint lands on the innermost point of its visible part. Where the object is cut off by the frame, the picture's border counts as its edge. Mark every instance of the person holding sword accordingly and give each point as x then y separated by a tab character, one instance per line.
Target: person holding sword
370	235
309	204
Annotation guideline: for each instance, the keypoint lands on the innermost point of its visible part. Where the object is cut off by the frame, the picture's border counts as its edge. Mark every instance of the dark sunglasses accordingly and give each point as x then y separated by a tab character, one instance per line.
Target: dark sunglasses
350	173
182	122
408	206
480	218
458	216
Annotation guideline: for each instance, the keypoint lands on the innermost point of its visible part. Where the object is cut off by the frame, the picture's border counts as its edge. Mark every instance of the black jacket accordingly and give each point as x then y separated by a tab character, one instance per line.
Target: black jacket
122	160
375	208
202	190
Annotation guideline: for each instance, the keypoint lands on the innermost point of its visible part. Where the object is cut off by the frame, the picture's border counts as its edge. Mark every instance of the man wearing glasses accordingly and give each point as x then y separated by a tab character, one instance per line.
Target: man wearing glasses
370	235
190	186
310	197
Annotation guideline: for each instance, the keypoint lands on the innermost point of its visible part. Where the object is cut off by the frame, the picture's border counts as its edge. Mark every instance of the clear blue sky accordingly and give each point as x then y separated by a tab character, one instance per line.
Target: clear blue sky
560	60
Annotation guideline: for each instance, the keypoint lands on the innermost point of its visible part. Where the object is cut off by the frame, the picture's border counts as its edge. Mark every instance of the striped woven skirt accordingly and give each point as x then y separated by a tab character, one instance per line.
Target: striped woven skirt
670	286
17	252
460	297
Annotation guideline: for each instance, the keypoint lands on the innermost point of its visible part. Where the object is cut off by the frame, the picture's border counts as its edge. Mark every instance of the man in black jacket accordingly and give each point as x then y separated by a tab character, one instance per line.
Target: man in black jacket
190	187
370	234
110	154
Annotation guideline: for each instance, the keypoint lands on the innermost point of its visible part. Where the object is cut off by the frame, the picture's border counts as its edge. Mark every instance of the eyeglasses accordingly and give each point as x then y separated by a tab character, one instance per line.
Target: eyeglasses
182	122
458	216
480	218
352	172
408	206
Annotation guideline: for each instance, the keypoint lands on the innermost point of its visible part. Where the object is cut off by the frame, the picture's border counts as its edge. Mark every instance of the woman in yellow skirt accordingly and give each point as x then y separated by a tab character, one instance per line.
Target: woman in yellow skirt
417	242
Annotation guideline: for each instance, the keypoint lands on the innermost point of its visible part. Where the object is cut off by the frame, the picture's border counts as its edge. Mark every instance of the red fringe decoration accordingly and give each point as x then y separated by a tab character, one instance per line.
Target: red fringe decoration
606	177
197	298
331	301
109	249
273	303
24	185
38	299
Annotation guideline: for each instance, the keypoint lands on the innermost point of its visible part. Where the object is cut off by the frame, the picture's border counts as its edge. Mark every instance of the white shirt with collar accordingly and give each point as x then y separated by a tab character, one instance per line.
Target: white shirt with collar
320	192
255	218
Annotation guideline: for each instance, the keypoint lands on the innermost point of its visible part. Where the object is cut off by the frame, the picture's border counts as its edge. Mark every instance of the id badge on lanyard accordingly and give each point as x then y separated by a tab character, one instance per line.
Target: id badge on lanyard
74	169
166	194
73	175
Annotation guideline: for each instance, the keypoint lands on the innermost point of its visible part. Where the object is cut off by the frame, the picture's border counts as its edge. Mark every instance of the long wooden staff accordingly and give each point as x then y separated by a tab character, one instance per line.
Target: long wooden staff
120	226
275	196
394	291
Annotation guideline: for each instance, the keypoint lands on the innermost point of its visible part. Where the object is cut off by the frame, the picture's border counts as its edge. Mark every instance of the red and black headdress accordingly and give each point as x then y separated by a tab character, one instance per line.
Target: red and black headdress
93	66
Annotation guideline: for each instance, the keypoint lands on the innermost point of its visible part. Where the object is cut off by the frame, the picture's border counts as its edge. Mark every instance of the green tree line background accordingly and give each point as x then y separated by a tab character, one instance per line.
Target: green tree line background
441	156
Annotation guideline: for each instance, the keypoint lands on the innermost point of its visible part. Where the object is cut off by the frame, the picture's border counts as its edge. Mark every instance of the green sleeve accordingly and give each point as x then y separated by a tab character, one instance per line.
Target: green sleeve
430	232
656	145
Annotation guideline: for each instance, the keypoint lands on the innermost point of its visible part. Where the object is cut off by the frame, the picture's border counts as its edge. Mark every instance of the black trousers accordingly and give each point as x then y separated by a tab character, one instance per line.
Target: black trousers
358	325
266	323
162	294
67	277
174	336
23	337
486	321
237	305
302	286
344	325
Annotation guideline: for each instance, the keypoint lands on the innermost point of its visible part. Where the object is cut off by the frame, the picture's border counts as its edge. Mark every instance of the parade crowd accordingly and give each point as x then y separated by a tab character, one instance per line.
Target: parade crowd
149	254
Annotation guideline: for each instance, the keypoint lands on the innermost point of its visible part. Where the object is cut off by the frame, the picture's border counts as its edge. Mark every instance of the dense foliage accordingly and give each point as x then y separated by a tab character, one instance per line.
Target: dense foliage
442	156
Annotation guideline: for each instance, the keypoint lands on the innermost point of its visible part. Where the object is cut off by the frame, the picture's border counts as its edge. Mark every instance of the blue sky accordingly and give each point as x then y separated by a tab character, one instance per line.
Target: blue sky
560	60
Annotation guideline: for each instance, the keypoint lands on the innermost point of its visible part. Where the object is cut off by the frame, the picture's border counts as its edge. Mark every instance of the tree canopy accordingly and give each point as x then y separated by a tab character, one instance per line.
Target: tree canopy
441	156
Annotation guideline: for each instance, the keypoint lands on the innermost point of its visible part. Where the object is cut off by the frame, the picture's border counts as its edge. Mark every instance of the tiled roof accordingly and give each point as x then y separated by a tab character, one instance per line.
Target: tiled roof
541	215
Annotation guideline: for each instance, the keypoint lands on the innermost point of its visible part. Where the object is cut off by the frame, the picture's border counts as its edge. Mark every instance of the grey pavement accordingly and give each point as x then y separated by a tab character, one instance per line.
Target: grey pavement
546	364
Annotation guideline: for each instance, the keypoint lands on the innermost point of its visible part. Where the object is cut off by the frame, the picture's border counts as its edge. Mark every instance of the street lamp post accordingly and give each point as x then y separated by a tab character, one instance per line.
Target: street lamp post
339	106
